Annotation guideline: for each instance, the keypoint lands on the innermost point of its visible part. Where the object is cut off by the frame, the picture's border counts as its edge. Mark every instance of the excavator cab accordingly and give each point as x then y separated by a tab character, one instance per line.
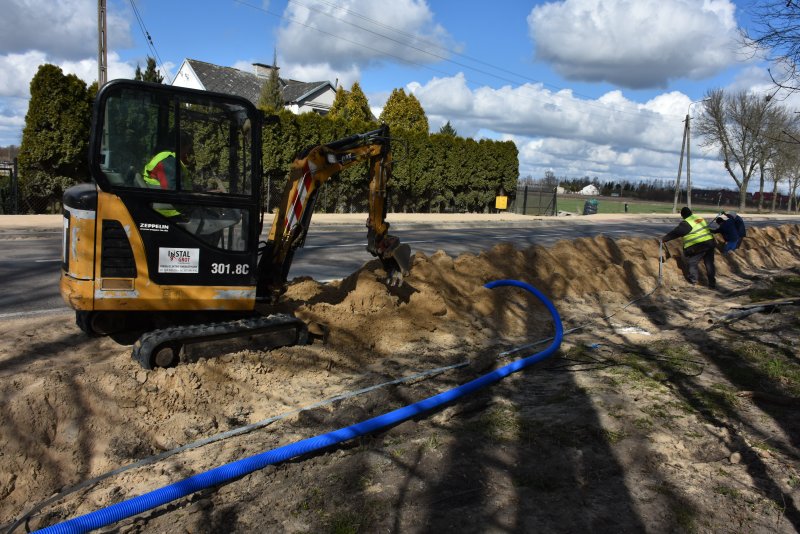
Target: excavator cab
171	219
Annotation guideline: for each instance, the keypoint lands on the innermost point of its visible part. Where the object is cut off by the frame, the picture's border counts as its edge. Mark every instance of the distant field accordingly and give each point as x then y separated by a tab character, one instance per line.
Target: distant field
617	205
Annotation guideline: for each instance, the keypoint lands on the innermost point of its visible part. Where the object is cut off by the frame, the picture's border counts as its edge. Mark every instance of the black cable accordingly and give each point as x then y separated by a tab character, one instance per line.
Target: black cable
150	44
589	103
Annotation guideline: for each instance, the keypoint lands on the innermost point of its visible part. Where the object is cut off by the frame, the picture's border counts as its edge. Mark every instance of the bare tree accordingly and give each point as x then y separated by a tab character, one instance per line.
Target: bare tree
788	162
775	34
773	145
736	124
793	177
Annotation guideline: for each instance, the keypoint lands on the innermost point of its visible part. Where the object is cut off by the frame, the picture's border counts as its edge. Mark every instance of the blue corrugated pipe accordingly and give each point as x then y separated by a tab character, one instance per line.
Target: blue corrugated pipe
239	468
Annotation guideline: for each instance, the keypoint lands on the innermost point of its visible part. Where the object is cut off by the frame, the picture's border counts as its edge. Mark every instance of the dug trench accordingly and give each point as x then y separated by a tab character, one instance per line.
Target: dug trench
656	415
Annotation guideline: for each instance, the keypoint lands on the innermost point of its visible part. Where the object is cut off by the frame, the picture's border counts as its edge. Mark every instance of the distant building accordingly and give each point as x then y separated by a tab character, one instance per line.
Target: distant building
298	97
589	190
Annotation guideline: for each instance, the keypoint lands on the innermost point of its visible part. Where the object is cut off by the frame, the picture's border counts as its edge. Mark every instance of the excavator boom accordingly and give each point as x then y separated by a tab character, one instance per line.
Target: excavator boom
309	172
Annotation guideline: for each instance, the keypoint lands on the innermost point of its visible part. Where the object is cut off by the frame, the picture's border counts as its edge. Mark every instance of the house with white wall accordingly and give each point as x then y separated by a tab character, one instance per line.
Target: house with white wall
298	97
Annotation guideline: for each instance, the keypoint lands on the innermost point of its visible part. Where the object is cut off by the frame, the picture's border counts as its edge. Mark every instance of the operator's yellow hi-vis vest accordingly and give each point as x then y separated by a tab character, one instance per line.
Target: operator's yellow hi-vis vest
699	232
155	177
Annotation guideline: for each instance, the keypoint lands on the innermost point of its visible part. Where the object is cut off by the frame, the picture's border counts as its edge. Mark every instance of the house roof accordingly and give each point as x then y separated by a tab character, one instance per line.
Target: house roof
248	85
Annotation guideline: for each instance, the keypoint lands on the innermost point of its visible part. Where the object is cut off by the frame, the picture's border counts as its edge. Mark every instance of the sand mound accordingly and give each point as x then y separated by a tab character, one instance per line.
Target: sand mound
77	407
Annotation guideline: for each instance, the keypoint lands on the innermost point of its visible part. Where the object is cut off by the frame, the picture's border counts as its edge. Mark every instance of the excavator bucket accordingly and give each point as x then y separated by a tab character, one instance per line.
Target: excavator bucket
402	255
397	263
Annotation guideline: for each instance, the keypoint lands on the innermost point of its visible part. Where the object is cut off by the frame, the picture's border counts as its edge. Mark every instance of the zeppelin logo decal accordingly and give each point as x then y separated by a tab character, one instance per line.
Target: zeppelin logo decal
150	227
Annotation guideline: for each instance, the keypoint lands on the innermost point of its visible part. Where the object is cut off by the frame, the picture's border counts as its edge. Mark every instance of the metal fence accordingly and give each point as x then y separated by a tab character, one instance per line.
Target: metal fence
8	188
535	200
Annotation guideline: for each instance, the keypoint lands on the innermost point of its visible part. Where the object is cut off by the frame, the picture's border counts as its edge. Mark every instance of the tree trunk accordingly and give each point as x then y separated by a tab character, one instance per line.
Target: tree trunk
774	195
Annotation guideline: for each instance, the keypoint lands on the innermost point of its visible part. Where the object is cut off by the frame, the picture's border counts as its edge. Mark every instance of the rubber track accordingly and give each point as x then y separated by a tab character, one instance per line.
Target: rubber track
148	342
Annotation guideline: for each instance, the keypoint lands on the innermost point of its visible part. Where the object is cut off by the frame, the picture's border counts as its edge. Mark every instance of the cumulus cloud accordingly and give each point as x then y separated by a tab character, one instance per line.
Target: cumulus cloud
533	110
635	44
610	137
360	32
66	28
316	72
322	72
20	70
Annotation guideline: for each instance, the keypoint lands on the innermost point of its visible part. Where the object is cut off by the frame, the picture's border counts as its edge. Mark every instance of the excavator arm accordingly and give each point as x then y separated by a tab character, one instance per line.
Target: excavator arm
309	172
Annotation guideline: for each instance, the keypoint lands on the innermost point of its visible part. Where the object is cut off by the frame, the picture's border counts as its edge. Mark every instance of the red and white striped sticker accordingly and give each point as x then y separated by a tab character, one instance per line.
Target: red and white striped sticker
300	196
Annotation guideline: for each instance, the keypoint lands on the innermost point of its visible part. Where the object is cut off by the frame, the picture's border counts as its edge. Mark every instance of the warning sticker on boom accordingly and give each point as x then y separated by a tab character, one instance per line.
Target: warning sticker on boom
178	260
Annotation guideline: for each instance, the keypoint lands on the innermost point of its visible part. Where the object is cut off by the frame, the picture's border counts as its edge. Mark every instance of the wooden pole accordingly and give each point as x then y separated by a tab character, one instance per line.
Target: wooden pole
688	163
680	167
102	52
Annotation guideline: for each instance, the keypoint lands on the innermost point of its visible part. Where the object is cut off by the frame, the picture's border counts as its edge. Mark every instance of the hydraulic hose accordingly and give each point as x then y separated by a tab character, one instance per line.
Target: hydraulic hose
245	466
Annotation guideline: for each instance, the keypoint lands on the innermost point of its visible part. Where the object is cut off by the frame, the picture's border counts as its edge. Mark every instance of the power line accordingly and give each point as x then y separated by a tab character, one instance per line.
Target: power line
589	102
149	41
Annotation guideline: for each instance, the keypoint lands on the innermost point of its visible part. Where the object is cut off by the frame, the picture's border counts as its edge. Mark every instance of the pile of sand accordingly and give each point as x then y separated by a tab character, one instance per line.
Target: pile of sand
75	407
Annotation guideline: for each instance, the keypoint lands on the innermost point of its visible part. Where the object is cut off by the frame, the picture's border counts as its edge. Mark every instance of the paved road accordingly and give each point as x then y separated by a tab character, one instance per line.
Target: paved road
29	267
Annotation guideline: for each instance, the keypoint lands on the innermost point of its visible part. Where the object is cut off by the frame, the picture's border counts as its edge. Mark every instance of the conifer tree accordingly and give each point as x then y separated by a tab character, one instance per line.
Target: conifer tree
357	105
447	129
271	97
339	104
150	73
53	153
404	112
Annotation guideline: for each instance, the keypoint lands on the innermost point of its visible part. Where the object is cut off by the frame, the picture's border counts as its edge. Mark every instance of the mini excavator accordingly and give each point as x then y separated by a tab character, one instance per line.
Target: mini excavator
165	241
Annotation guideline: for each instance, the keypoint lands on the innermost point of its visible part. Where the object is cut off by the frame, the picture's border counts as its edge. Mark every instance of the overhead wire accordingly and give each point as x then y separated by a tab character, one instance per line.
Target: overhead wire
588	102
150	44
434	44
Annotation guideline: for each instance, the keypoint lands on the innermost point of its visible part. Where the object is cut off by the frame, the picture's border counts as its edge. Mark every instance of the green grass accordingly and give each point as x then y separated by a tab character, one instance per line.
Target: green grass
780	287
727	491
345	523
606	205
783	372
720	399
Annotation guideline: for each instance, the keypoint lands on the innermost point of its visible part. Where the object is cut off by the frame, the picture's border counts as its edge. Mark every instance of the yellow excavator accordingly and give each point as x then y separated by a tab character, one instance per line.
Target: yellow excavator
165	241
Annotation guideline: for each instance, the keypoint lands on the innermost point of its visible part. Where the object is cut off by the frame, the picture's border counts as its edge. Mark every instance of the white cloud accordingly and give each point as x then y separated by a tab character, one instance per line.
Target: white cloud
610	137
355	33
322	72
12	120
635	43
20	70
532	110
66	29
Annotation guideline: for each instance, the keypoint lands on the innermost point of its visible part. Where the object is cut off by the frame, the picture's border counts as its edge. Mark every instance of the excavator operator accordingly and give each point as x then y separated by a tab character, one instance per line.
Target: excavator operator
160	172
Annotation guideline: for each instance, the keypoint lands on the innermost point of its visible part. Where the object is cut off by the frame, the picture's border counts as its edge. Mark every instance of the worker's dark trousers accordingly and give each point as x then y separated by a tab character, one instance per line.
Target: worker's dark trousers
708	259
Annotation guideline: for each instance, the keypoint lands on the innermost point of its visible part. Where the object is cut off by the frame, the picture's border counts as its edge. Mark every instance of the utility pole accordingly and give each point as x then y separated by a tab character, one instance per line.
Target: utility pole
688	160
687	138
102	52
680	165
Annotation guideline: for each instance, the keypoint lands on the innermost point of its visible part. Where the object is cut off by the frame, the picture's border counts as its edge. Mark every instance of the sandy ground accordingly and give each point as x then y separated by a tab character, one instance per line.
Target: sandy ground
28	222
653	417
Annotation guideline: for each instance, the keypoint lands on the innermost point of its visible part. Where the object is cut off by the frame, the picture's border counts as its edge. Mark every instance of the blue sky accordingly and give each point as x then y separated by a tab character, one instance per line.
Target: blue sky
583	87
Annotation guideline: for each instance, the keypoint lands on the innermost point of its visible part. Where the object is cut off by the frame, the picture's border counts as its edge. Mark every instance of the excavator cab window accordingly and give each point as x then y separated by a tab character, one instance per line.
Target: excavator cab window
187	155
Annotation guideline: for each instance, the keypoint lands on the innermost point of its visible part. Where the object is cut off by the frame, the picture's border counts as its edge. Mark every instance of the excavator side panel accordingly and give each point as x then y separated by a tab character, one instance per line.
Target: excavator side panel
107	267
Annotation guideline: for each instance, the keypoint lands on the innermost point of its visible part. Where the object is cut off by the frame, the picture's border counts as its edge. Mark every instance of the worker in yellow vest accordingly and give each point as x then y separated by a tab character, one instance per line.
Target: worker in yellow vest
698	244
160	172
